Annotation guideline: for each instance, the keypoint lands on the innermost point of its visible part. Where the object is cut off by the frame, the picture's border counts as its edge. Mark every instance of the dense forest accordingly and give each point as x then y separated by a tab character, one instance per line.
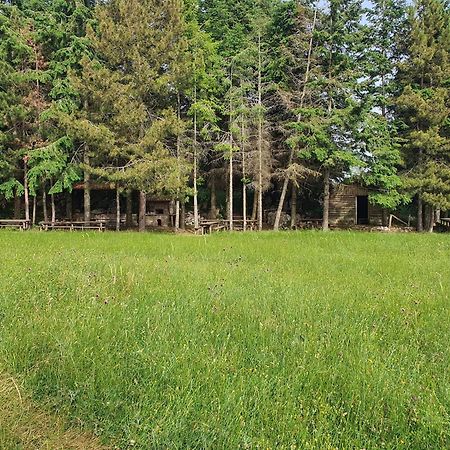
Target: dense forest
231	108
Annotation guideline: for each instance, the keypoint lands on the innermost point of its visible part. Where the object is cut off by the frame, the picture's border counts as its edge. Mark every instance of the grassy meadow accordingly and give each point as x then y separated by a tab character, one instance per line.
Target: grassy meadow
271	341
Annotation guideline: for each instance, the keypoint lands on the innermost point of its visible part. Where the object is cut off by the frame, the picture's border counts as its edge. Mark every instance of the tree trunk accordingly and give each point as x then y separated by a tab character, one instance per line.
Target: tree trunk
276	225
419	214
326	200
52	202
230	167
213	210
430	219
26	190
294	207
244	175
52	205
177	214
117	208
384	217
183	216
177	203
260	139
87	189
196	221
302	101
255	205
129	213
17	207
34	210
244	206
142	210
44	202
230	192
69	206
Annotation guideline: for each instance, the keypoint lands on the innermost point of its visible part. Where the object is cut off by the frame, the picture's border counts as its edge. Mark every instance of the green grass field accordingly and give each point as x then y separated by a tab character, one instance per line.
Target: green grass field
280	341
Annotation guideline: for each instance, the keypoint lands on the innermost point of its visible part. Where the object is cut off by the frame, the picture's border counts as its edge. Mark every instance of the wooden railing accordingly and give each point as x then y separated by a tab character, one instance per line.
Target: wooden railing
392	218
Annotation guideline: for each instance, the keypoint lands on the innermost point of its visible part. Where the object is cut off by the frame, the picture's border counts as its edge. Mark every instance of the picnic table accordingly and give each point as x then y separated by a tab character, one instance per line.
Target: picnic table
238	224
208	226
309	223
73	226
20	224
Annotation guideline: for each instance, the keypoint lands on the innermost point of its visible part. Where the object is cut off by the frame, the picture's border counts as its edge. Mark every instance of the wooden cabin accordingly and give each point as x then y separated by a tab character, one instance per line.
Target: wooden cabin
160	212
350	206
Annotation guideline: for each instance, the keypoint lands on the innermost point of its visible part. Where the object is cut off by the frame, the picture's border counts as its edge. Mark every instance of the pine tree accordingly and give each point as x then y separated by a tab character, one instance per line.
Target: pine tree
53	34
203	88
377	133
128	121
325	135
424	109
299	63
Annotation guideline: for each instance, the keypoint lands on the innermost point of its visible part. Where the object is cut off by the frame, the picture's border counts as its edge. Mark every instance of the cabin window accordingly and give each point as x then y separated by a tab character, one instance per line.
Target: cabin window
159	211
362	210
159	223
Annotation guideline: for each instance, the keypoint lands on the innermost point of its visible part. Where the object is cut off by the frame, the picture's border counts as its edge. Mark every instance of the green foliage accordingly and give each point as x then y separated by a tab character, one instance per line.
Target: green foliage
424	104
11	188
51	163
132	86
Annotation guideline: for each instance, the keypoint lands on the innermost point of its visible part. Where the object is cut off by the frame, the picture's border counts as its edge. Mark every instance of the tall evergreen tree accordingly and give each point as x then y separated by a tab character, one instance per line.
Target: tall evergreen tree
325	134
128	94
424	109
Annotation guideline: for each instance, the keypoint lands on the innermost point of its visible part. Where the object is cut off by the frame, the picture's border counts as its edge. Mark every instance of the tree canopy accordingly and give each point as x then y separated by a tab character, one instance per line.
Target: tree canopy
202	98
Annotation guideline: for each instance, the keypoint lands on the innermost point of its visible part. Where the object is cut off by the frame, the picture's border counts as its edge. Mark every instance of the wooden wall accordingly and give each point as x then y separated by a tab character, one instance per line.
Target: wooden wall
343	206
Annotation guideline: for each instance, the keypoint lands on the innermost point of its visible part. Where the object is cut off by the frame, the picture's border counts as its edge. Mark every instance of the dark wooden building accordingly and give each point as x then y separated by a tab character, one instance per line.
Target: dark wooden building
349	206
159	212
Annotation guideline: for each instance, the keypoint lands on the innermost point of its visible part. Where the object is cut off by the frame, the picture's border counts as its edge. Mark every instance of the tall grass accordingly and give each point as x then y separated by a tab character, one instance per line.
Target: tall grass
292	340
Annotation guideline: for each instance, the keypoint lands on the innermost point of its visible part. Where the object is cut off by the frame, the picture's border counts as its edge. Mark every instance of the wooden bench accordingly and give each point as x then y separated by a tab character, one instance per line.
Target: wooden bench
309	223
20	224
208	226
72	226
251	224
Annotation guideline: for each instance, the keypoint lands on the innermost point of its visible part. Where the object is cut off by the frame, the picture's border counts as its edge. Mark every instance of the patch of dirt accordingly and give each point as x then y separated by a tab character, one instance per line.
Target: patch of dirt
25	426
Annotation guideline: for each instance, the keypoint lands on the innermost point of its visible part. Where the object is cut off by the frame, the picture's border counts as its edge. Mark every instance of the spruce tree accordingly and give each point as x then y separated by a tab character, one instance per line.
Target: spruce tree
128	96
424	109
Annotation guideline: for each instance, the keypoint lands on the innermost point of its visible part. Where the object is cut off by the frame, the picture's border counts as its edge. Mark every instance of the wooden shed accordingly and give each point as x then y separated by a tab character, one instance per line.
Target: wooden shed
349	206
159	211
